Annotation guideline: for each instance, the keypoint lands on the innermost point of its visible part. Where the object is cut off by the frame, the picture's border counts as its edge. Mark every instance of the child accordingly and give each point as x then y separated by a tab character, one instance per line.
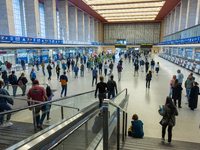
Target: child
137	127
50	96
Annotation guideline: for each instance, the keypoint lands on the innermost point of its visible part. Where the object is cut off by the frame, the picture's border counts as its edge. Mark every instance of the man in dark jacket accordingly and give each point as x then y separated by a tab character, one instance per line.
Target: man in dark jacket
13	81
111	65
49	68
100	68
112	86
23	64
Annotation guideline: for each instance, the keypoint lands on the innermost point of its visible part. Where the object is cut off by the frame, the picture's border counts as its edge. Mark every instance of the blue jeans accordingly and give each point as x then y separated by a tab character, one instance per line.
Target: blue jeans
64	88
93	80
6	84
105	71
58	75
76	74
111	93
188	91
37	67
82	73
49	75
14	89
37	115
4	106
170	92
43	72
100	71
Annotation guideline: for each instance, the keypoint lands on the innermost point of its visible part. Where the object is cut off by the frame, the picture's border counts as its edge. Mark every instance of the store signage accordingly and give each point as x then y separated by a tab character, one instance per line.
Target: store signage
56	50
3	52
30	51
45	50
182	41
45	58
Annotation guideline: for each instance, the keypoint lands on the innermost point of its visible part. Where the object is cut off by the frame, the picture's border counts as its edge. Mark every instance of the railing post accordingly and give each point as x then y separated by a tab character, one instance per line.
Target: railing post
118	128
34	118
123	126
86	135
62	115
105	125
126	125
126	92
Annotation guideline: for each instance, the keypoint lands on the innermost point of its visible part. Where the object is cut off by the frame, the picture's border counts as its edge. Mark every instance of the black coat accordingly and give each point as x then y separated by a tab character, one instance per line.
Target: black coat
193	98
176	92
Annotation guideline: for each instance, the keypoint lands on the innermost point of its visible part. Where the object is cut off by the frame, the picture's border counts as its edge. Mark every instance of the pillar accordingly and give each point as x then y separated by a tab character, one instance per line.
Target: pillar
7	25
73	30
183	15
64	24
176	19
87	27
32	18
80	26
50	19
192	10
99	32
91	29
168	24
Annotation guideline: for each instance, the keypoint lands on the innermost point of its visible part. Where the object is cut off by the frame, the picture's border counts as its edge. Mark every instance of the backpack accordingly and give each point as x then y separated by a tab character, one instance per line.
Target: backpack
11	79
82	67
20	82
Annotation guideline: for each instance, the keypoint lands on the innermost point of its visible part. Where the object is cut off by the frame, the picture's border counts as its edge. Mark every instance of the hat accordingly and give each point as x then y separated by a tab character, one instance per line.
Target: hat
35	82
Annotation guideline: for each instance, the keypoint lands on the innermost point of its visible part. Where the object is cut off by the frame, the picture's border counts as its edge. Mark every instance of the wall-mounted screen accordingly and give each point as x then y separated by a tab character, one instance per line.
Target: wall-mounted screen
146	45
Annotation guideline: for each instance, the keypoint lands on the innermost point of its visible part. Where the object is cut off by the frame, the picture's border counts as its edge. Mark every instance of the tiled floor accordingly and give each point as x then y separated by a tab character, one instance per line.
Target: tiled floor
142	101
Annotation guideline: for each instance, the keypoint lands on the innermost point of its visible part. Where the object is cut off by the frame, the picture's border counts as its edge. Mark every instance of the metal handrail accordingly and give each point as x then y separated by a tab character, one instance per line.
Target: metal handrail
40	103
113	104
119	94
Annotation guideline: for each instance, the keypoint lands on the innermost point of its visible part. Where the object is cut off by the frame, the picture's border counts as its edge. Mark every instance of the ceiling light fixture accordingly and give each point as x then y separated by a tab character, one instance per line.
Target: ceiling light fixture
129	17
129	14
126	20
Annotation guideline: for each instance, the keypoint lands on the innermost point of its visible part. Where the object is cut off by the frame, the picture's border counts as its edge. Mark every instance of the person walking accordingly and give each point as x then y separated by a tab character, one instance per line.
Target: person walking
136	68
23	64
49	68
121	62
168	111
111	66
4	106
37	64
73	64
53	62
105	68
176	92
157	68
63	80
68	65
171	84
88	65
85	59
146	66
63	65
3	67
100	68
142	65
58	71
9	66
148	79
22	83
13	81
5	79
129	57
38	93
43	65
112	87
119	70
101	87
180	77
32	75
82	70
193	97
94	75
152	65
50	95
188	86
76	69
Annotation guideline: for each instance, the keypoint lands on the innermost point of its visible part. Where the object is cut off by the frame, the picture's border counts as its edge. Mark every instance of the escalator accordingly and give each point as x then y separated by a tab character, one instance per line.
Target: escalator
79	130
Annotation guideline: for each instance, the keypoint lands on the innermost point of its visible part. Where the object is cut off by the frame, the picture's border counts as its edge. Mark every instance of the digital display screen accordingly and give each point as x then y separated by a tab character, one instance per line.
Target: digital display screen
146	46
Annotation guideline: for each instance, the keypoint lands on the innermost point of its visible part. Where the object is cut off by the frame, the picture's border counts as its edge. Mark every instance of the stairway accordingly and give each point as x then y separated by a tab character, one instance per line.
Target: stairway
155	144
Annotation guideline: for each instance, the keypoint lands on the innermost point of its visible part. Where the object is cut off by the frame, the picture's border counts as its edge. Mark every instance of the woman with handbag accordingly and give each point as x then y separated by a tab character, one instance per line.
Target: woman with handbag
4	106
168	112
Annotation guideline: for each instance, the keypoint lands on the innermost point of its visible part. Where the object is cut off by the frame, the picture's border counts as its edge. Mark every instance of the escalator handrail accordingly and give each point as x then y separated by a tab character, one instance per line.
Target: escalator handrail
113	104
40	103
119	94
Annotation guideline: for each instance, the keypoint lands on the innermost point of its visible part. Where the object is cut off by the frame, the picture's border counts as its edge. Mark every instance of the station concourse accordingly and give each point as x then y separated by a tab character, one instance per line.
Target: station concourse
36	35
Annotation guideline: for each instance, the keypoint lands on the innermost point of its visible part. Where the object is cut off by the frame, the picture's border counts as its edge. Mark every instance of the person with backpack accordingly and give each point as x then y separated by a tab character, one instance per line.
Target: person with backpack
94	75
5	79
8	65
4	106
168	111
43	65
32	75
111	66
82	70
63	80
152	65
49	68
13	81
76	69
22	83
100	67
58	71
112	87
119	70
148	79
50	95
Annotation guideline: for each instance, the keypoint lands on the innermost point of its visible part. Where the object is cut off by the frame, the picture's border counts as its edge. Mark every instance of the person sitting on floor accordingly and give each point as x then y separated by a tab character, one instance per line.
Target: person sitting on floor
137	127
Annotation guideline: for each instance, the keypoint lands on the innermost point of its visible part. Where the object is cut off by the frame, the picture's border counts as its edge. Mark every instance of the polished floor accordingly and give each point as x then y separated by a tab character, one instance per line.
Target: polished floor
142	101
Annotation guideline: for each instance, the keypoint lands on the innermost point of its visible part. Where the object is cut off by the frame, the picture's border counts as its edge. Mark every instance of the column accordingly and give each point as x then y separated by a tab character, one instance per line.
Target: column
91	29
32	18
87	27
50	19
80	26
73	30
64	24
162	30
183	15
193	54
7	25
192	11
176	19
168	24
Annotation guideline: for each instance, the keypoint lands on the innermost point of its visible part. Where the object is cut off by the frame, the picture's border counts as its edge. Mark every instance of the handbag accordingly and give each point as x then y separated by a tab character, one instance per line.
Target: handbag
130	131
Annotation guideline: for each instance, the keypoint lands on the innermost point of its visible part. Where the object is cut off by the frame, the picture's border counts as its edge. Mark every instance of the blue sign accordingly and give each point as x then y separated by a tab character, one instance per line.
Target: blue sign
42	41
55	56
5	38
18	60
56	42
65	49
16	39
30	40
23	39
198	39
30	51
182	41
192	39
46	41
60	41
38	58
52	41
172	42
37	40
49	41
56	50
45	58
45	50
177	41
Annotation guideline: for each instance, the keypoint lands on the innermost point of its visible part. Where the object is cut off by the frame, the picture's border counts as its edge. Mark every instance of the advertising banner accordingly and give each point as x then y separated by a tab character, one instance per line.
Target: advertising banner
38	58
45	58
